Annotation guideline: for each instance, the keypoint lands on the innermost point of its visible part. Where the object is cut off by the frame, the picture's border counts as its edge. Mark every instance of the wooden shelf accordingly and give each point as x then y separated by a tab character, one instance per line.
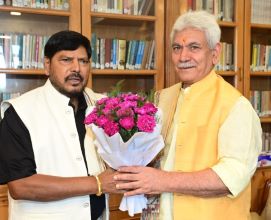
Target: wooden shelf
122	16
226	73
123	72
23	71
227	24
265	119
36	11
260	73
262	26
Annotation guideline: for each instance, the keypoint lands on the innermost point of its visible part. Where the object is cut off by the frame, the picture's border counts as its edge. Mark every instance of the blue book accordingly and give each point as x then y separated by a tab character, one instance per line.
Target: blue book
93	50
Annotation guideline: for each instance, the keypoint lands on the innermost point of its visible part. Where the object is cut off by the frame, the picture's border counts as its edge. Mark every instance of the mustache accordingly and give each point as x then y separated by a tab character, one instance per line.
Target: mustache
74	76
186	65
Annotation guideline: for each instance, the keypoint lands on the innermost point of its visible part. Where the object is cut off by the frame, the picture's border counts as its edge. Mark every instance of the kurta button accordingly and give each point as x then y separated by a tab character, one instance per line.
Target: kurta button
68	111
73	135
86	205
78	158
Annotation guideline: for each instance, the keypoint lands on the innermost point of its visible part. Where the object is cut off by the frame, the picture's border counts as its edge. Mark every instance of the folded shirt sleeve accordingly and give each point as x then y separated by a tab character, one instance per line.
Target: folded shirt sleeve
16	153
239	144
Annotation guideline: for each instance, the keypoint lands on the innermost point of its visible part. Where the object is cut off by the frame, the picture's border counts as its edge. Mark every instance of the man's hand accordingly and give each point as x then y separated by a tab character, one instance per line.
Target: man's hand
141	180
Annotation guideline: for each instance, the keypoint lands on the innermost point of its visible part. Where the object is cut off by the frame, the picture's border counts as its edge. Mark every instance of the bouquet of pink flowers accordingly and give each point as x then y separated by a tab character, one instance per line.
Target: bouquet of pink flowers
125	114
127	129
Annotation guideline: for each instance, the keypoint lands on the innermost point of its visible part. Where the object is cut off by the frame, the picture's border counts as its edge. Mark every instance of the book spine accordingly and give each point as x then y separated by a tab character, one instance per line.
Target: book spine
121	54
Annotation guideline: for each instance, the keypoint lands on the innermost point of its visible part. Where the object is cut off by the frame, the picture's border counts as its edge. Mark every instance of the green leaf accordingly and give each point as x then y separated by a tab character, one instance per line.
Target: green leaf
116	90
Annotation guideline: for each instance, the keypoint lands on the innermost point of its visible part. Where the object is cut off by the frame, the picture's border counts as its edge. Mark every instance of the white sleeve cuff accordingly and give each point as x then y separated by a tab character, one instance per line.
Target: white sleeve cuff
233	174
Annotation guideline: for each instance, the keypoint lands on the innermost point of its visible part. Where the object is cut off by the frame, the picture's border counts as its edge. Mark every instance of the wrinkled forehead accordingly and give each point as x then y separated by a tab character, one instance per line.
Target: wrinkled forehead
188	36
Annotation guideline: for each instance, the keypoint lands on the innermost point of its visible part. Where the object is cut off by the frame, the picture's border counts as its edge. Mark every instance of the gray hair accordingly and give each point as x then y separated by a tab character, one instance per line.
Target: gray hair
202	21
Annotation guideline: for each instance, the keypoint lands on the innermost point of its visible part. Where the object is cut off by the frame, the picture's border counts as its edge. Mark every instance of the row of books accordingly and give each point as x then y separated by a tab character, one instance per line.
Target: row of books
222	9
18	50
122	54
131	7
261	101
226	58
260	11
261	57
43	4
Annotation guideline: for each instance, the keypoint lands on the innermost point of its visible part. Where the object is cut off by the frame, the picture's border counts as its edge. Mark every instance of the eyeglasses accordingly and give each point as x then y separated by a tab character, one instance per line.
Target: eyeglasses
192	48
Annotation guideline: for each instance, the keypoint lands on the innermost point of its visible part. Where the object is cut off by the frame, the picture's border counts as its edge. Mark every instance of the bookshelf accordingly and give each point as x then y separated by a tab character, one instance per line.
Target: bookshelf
32	21
34	24
126	24
257	77
231	33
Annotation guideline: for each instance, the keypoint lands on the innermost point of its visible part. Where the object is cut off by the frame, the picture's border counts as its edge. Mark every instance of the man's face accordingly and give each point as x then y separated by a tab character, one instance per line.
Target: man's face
68	71
192	57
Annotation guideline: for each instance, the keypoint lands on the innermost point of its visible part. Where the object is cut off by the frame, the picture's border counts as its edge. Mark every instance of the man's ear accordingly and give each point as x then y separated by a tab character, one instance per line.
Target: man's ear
216	53
47	66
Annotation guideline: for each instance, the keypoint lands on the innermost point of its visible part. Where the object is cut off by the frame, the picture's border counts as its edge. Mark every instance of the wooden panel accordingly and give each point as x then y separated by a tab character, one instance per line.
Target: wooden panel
115	213
3	203
257	188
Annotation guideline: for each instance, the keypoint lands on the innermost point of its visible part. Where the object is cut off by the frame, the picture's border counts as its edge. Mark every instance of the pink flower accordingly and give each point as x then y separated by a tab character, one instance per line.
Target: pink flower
127	123
131	97
101	121
147	108
106	111
112	103
150	108
145	123
111	128
91	118
102	101
124	112
127	104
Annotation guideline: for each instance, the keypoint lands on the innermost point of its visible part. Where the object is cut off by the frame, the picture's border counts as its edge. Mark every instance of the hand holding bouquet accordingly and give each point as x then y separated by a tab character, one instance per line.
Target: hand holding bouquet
127	131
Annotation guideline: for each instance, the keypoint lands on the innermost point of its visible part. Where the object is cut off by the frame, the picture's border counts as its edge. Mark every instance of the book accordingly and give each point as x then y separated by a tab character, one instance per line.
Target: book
145	54
97	53
8	2
150	56
128	53
102	53
93	50
121	54
107	58
145	7
2	57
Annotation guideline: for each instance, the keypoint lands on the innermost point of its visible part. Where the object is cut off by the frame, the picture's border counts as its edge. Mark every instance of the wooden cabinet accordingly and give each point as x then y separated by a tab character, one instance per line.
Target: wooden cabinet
21	41
115	213
3	203
231	34
17	80
103	23
258	192
128	26
257	77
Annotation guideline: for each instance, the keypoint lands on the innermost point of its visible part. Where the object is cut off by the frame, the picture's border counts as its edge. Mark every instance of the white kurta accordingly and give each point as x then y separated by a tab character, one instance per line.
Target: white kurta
51	124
